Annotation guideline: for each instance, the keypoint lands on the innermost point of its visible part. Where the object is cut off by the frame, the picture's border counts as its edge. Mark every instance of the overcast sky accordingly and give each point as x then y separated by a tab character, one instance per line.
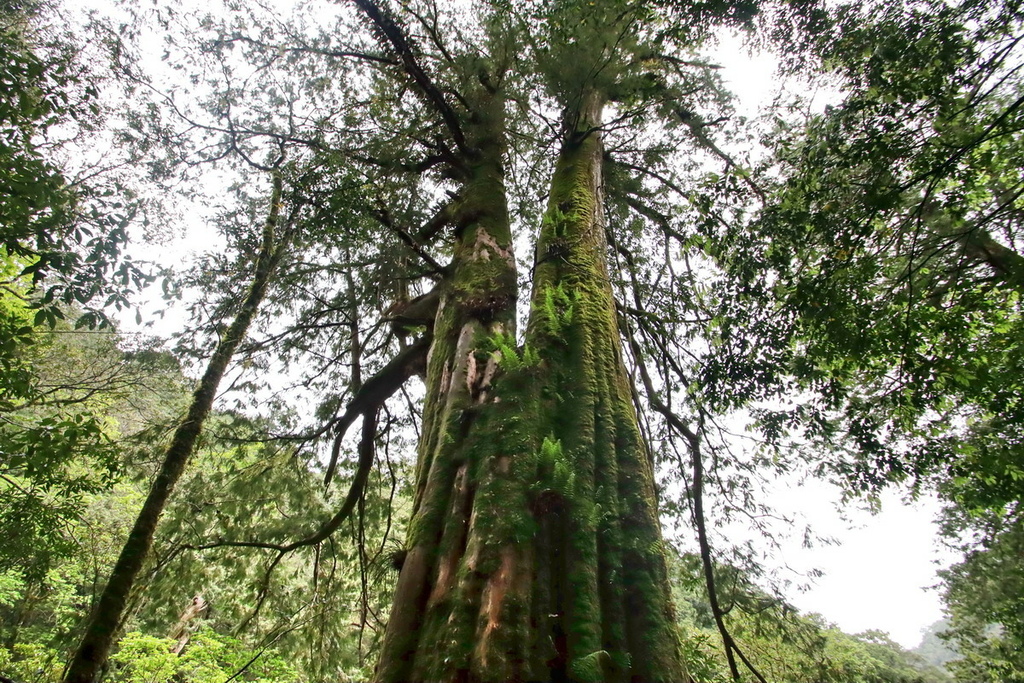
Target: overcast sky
881	574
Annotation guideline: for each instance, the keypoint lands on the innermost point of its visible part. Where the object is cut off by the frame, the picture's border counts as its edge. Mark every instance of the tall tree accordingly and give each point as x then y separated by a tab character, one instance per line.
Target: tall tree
535	550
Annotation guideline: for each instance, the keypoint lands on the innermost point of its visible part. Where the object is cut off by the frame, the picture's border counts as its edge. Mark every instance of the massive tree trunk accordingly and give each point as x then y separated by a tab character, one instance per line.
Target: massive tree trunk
534	552
601	565
477	305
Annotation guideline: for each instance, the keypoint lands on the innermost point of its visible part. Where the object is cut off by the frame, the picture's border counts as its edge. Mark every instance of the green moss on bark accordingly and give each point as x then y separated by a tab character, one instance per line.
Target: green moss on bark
538	543
616	601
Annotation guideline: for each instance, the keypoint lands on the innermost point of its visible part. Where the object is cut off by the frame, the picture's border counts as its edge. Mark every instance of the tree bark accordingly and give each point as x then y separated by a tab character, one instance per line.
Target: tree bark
614	606
534	551
477	303
181	634
91	656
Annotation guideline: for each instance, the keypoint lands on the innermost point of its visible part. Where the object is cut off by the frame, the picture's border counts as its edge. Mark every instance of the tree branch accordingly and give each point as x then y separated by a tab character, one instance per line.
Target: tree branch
393	36
375	391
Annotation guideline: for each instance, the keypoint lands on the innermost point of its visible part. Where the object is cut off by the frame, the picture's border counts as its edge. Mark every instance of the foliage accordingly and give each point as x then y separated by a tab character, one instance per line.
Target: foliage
887	257
61	245
511	359
783	644
210	658
40	613
865	273
257	488
35	199
66	430
890	259
69	234
983	594
933	648
320	606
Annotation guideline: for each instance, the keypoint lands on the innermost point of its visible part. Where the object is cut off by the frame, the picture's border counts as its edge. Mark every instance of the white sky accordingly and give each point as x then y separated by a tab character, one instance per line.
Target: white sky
879	577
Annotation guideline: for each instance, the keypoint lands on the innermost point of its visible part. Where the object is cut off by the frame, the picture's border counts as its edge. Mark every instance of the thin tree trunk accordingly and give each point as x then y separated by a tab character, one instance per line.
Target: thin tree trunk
91	656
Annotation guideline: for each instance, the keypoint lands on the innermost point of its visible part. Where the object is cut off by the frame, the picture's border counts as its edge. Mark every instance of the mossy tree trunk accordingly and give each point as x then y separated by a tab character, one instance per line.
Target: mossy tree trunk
601	574
90	658
477	305
535	551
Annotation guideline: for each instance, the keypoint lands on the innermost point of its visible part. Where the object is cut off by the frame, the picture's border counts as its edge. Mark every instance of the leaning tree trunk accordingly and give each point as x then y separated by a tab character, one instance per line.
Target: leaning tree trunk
91	656
535	551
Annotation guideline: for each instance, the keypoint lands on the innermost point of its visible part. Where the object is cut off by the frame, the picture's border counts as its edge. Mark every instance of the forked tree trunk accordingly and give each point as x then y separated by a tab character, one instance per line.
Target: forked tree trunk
535	552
